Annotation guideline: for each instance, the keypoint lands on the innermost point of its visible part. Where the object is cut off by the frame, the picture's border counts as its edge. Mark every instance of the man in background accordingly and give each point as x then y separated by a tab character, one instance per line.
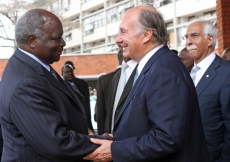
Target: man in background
160	119
83	87
226	54
68	75
122	84
175	51
186	59
211	76
104	99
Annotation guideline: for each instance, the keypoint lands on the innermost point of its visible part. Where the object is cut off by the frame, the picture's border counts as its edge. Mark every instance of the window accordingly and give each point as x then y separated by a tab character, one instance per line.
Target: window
191	18
159	3
67	5
94	22
84	1
171	37
181	32
68	37
118	12
209	14
169	24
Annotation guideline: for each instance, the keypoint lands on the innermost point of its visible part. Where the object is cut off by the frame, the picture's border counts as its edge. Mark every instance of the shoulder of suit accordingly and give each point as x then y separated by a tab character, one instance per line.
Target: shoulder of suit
224	62
109	75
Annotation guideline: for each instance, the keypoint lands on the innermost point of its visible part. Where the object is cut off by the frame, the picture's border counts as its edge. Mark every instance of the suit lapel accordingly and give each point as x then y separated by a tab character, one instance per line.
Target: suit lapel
140	79
38	68
115	84
76	96
56	83
208	76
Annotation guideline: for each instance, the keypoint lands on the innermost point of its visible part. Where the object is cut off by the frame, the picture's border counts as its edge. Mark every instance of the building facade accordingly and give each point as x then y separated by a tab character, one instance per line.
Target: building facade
91	27
93	24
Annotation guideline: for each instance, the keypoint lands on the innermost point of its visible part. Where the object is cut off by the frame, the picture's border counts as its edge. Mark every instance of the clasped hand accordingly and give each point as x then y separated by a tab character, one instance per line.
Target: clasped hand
102	153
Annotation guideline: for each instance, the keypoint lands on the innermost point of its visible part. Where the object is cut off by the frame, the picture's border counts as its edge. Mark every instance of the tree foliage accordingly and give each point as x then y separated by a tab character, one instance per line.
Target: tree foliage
10	10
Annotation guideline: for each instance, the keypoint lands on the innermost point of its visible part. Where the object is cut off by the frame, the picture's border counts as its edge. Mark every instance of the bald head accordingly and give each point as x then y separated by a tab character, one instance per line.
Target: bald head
40	32
32	23
226	54
186	59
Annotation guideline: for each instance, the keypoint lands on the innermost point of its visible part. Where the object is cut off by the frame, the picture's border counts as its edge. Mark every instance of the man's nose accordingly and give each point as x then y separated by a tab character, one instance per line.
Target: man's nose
188	41
118	39
62	42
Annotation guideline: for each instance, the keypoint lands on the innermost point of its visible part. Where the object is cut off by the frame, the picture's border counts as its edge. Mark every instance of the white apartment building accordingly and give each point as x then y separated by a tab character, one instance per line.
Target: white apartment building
94	24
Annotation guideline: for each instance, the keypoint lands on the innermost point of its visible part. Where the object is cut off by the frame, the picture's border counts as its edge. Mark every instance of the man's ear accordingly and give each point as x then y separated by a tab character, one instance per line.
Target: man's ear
210	40
32	41
147	35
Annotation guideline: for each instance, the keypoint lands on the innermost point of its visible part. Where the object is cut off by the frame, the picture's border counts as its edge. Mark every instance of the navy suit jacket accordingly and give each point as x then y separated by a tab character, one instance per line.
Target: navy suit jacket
160	120
213	92
41	118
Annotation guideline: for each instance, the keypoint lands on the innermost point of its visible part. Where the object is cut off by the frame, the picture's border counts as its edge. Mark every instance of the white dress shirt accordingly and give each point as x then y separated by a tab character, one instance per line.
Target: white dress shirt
203	65
146	58
132	64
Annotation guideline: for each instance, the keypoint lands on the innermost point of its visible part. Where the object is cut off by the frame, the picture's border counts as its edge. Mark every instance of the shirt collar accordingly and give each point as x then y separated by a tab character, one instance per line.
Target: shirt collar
35	58
145	59
132	64
204	64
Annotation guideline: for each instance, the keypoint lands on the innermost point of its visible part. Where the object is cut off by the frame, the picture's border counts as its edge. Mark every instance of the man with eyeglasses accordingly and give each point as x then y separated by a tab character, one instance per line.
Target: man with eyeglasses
212	81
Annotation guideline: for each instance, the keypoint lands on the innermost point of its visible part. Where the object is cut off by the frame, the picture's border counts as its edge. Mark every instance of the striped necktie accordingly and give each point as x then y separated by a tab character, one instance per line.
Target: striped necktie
53	72
193	72
135	77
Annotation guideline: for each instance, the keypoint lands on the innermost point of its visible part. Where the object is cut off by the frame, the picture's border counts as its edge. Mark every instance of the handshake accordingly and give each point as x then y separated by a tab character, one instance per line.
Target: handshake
105	136
103	152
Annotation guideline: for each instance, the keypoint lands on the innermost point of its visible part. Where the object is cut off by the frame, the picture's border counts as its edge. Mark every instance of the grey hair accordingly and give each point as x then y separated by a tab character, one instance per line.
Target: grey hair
150	18
30	23
209	29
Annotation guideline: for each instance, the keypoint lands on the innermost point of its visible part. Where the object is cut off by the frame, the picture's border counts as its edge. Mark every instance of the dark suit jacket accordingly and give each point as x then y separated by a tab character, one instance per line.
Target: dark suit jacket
103	104
213	92
1	141
124	94
160	120
42	120
83	87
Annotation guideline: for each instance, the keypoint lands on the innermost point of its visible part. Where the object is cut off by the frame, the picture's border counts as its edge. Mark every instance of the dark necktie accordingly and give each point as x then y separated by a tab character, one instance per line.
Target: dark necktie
53	73
74	87
135	77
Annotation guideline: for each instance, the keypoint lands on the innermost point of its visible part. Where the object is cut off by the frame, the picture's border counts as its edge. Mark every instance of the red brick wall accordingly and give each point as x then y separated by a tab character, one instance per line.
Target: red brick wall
84	64
223	24
89	64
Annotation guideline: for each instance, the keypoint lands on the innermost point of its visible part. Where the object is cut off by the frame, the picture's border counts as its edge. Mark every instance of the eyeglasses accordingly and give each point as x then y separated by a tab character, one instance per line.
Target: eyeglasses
193	36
